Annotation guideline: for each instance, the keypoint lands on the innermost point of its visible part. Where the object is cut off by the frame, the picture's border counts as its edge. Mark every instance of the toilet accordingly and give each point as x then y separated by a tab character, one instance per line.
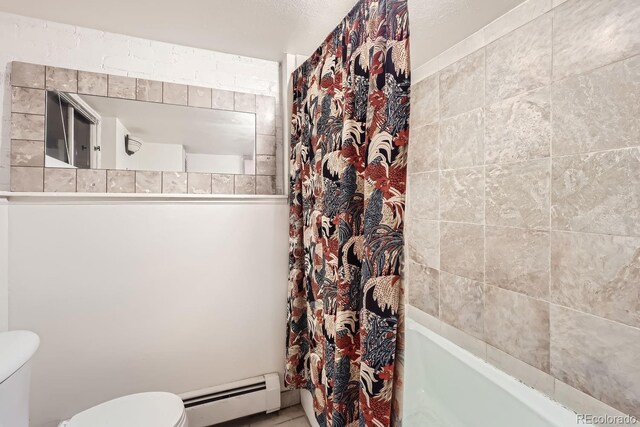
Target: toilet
153	409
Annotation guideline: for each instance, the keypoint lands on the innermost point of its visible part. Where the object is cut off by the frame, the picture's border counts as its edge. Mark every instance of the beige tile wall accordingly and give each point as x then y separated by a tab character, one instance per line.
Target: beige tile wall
524	197
29	83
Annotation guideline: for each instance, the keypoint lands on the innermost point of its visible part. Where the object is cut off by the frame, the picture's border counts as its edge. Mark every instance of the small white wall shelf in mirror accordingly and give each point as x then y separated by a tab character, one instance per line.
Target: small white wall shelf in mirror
86	132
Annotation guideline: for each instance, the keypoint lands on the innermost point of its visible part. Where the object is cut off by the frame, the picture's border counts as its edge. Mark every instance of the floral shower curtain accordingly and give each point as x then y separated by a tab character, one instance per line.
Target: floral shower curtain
347	192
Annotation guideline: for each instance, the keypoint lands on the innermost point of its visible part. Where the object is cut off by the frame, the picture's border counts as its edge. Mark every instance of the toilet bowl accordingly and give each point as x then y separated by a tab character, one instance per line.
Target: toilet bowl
154	409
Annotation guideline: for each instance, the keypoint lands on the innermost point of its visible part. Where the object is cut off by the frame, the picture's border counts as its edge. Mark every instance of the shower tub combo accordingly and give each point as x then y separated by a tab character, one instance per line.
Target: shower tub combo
446	386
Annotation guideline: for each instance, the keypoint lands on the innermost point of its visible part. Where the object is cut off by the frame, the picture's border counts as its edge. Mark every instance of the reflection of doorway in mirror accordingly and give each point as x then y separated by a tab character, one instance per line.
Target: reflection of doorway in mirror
71	133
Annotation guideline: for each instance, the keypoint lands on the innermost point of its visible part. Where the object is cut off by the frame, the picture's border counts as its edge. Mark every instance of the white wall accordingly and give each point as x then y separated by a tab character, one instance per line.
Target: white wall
194	296
154	157
130	297
216	163
107	148
150	157
38	41
4	265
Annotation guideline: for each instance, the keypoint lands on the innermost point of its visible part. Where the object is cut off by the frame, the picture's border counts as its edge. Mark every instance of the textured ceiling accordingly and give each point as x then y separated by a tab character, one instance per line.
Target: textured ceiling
260	28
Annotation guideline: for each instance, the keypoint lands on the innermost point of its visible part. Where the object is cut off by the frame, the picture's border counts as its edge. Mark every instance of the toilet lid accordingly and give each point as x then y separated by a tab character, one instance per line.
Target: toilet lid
155	409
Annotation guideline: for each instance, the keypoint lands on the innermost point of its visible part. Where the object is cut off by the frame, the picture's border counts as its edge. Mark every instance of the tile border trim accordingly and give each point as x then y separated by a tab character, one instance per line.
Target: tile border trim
263	120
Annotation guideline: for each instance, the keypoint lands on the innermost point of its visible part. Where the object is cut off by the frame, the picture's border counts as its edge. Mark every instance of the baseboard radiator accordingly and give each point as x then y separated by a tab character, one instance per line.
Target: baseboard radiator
234	400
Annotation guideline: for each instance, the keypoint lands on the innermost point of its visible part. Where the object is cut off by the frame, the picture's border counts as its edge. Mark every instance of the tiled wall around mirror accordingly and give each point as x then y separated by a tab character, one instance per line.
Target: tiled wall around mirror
29	83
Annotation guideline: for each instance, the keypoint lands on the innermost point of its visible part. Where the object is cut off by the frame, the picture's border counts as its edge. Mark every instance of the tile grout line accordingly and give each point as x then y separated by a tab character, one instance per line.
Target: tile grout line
540	230
439	201
484	199
551	142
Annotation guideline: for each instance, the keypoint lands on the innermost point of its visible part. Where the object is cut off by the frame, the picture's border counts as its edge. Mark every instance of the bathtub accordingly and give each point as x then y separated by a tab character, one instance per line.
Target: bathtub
445	386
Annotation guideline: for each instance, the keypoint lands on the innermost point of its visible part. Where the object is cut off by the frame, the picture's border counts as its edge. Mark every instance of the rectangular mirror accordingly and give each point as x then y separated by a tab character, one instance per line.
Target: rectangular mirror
96	132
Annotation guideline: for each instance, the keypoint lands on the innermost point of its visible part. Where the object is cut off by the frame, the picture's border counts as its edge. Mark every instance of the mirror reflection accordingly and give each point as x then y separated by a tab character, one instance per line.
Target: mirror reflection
93	132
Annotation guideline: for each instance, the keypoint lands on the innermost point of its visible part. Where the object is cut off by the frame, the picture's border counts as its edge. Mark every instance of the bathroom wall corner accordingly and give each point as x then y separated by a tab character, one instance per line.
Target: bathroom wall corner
4	265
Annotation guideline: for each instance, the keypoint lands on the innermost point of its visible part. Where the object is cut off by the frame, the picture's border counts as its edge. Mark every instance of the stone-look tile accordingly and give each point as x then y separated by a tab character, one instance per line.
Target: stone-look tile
60	180
462	85
265	185
518	325
27	153
423	240
462	303
199	96
266	115
266	144
520	61
582	403
425	101
423	202
148	182
421	317
174	182
597	193
423	149
245	102
462	250
597	356
222	100
122	87
518	260
520	15
518	128
597	274
428	69
462	140
244	184
462	195
463	48
599	110
524	372
121	181
29	101
27	126
222	184
27	179
265	165
91	181
62	79
148	90
288	417
92	83
517	195
424	288
199	183
591	33
174	93
464	340
27	75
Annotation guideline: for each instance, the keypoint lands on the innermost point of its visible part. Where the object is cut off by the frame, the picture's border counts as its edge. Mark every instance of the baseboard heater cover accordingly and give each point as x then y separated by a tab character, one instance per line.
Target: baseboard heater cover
233	400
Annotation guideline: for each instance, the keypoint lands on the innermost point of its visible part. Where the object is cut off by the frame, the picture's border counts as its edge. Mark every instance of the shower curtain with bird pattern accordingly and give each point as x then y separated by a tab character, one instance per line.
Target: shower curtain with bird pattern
349	137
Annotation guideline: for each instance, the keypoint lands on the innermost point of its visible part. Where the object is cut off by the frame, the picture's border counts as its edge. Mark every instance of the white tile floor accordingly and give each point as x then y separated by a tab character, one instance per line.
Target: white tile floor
287	417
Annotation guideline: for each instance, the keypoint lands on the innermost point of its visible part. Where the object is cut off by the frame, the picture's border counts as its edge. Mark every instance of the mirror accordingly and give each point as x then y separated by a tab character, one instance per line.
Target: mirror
96	132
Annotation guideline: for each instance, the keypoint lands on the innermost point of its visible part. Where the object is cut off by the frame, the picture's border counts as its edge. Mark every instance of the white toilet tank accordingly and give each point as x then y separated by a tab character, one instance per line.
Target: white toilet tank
16	350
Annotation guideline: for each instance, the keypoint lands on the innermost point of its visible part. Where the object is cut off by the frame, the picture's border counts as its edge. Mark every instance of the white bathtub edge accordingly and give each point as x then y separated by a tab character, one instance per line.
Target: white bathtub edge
542	404
559	392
